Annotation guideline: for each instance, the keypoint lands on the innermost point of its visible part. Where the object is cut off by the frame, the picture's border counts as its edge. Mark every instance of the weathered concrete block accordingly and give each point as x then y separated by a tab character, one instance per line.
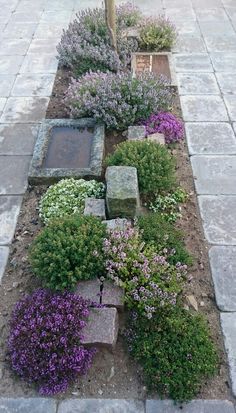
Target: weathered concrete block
101	406
102	328
122	195
90	290
27	405
95	207
119	223
113	296
157	138
136	133
228	324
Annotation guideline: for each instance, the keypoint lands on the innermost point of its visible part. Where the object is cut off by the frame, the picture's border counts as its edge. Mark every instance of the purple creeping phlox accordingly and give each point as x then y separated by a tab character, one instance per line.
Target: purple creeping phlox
166	123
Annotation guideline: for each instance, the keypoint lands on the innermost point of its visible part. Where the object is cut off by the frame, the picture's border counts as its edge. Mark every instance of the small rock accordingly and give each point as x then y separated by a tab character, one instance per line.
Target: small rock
89	290
95	207
192	302
204	295
15	284
201	266
112	373
113	296
75	393
100	392
157	138
136	133
202	304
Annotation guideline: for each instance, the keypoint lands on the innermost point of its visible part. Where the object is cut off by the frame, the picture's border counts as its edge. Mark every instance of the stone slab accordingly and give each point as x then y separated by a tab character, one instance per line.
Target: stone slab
14	47
227	82
14	173
203	108
48	31
122	196
210	138
90	290
223	269
17	139
220	42
21	17
211	13
119	223
10	65
157	138
6	83
228	324
194	62
224	61
101	406
95	207
27	405
176	13
113	296
197	84
219	218
9	211
19	30
188	27
230	101
33	85
62	16
43	46
136	132
214	175
24	110
39	63
102	328
195	406
213	28
4	252
187	43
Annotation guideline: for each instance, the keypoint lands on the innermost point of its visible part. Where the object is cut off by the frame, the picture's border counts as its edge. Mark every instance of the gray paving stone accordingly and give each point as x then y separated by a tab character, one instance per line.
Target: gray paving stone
95	207
62	16
9	211
43	63
17	139
188	27
194	62
136	132
43	46
178	14
59	5
223	269
228	324
6	83
230	101
33	85
113	296
18	30
231	10
10	65
203	108
210	138
227	82
220	42
197	84
189	44
4	252
32	17
214	175
2	104
209	3
211	14
224	61
219	218
27	405
119	223
48	31
213	28
14	174
14	47
101	406
195	406
24	110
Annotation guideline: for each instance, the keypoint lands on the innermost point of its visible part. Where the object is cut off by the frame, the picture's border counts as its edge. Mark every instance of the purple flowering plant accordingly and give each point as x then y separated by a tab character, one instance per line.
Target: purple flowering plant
150	282
166	123
44	342
157	33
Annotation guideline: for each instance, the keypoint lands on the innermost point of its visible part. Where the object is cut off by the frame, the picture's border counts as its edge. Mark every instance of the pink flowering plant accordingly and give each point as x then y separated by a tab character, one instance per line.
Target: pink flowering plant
166	123
150	282
45	340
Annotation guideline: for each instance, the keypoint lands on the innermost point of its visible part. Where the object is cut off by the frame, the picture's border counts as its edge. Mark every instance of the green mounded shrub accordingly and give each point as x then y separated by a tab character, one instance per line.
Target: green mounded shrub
157	33
67	197
168	205
155	165
69	250
159	233
175	351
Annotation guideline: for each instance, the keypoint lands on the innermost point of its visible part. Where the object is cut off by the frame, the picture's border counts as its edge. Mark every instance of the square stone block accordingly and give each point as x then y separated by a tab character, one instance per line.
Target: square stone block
27	405
219	218
42	63
9	211
157	138
197	84
102	328
119	223
210	138
224	61
4	252
203	108
6	83
10	65
113	296
223	269
90	290
230	101
17	139
24	110
214	175
95	207
195	406
194	62
33	85
122	196
136	133
228	324
101	406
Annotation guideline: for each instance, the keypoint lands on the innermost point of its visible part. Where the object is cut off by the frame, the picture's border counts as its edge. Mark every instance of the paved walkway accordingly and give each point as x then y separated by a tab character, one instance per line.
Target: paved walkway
205	59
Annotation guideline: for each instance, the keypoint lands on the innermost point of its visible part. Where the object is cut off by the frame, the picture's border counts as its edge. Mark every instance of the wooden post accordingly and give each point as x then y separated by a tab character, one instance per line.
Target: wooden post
110	14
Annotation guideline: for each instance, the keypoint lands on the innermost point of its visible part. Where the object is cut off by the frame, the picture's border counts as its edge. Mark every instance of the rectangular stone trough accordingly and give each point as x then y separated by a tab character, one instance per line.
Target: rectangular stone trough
158	63
67	148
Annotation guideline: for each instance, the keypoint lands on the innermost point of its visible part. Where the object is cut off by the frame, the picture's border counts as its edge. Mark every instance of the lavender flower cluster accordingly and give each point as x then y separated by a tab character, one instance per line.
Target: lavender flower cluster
44	341
166	123
118	100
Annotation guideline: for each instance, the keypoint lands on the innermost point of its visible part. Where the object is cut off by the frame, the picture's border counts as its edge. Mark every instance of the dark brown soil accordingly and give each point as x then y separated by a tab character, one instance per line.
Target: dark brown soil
112	375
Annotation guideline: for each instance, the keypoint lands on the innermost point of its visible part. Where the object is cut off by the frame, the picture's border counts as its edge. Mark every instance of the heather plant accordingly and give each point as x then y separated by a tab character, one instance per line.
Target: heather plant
118	100
67	197
166	123
149	281
175	351
168	206
157	33
68	250
45	340
128	15
159	233
154	163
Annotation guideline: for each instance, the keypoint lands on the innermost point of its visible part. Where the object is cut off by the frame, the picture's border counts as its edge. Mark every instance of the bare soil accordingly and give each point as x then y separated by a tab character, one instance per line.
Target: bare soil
112	375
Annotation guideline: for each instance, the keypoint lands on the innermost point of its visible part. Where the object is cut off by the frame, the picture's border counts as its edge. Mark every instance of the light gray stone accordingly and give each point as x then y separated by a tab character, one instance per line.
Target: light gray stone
43	46
213	28
214	175
210	3
122	196
119	223
4	252
203	108
48	31
224	61
113	296
95	207
220	42
33	85
195	406
10	65
188	27
187	43
22	17
14	47
62	16
90	290
228	324
19	30
157	138
210	138
14	174
42	63
223	268
9	211
59	5
219	218
136	133
227	82
27	405
211	14
101	328
197	84
101	406
230	101
178	14
194	62
6	83
17	139
24	110
3	102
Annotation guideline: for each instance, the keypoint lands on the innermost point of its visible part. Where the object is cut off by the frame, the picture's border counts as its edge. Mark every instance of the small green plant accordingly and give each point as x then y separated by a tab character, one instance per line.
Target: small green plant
157	34
69	250
155	165
67	197
160	234
168	205
175	351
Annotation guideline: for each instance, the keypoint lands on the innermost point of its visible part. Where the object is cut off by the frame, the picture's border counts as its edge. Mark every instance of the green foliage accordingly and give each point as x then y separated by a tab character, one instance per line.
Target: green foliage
67	197
175	351
160	234
168	205
157	34
69	250
155	165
